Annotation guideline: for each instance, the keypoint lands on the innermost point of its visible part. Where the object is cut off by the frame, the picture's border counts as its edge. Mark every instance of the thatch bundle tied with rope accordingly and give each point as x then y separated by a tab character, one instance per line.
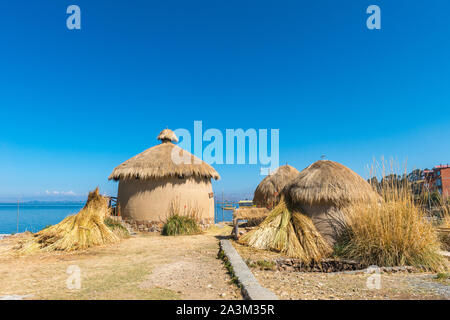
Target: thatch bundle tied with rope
288	232
76	232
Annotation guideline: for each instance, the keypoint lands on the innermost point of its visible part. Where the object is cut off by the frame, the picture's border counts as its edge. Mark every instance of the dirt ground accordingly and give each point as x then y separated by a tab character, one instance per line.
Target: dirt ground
150	266
341	286
146	266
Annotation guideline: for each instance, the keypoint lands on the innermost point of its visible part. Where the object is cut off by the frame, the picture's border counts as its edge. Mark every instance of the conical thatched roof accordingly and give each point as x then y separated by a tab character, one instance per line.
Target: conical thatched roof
158	162
330	182
267	193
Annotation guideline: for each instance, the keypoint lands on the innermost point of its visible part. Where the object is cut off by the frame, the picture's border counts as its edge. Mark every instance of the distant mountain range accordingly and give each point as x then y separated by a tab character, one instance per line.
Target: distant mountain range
38	202
233	197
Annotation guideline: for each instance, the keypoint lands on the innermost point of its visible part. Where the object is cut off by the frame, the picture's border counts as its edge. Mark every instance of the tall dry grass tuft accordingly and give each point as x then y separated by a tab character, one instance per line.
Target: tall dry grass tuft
444	209
191	210
445	221
444	225
288	232
393	232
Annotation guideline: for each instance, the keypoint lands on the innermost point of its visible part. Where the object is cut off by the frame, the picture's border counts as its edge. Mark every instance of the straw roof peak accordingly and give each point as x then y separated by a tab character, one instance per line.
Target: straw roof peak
167	135
328	181
164	160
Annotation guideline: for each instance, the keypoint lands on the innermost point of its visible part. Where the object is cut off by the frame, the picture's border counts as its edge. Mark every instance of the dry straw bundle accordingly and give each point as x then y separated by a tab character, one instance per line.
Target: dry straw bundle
254	216
288	232
76	232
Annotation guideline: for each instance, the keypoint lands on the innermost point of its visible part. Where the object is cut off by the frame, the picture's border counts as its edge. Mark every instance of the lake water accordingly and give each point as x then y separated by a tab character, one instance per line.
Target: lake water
35	217
227	214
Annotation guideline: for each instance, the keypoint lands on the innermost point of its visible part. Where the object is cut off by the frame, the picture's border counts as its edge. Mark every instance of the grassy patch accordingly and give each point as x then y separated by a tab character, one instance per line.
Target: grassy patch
117	228
221	255
180	225
443	276
261	264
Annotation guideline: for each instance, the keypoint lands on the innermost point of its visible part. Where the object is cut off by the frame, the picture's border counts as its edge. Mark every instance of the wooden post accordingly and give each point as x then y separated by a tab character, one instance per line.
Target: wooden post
236	229
17	216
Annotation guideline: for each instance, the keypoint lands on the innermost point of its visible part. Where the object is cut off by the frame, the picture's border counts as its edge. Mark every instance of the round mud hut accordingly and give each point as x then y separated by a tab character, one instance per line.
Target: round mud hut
163	177
268	192
323	190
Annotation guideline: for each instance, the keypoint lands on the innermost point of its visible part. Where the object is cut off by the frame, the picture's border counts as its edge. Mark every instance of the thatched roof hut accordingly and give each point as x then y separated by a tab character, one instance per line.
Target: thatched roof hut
323	190
267	193
150	181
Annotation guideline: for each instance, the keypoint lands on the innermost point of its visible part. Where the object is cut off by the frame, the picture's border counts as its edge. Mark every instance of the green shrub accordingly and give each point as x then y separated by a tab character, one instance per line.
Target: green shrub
443	276
261	264
180	225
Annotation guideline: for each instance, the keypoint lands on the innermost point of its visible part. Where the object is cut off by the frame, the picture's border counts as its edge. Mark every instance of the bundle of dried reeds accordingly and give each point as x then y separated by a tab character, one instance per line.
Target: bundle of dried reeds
288	232
76	232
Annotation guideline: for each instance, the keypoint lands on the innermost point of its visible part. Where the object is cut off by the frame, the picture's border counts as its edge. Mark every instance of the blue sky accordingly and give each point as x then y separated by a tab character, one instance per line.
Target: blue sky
75	104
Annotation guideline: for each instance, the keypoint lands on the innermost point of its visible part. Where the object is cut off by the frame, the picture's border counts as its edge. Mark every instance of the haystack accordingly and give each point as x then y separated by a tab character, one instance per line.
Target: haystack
268	192
289	232
323	190
76	232
149	182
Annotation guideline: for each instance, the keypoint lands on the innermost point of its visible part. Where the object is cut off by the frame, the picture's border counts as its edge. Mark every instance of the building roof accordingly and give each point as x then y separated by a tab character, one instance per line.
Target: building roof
269	189
329	182
164	160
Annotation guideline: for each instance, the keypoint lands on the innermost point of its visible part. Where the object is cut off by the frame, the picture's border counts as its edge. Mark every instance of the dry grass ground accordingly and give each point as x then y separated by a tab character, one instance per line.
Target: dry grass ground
313	286
340	286
142	267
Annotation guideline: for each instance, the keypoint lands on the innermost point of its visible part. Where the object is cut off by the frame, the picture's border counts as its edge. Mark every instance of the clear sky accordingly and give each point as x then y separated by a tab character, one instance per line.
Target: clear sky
76	103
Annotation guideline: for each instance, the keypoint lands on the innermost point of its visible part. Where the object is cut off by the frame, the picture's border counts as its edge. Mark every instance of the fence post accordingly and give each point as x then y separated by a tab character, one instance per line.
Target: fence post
223	203
17	231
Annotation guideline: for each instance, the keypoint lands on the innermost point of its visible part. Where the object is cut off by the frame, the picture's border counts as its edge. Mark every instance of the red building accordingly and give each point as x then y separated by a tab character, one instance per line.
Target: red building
441	177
